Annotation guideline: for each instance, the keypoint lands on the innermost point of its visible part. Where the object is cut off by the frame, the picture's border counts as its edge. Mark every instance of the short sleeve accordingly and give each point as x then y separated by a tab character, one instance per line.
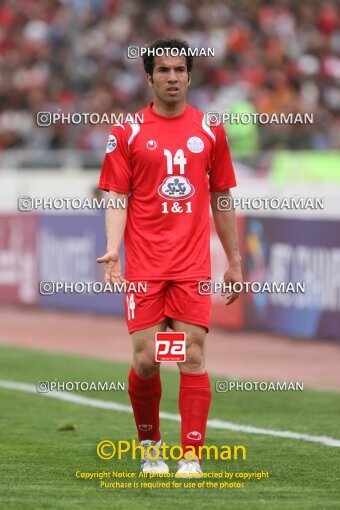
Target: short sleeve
222	174
116	170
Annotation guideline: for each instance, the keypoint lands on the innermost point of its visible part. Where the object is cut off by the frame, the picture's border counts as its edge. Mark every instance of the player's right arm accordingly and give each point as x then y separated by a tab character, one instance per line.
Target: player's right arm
115	222
115	178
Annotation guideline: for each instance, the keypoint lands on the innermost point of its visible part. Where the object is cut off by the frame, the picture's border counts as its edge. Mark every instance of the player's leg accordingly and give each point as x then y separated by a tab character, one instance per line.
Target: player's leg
194	395
145	317
190	312
145	388
145	392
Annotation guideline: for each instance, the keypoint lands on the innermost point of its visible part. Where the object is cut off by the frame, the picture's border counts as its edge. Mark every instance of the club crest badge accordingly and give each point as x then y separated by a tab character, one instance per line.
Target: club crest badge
111	144
176	187
195	144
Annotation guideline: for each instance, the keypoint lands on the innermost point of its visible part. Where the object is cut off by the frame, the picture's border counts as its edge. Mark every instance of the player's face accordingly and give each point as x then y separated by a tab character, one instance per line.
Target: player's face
170	80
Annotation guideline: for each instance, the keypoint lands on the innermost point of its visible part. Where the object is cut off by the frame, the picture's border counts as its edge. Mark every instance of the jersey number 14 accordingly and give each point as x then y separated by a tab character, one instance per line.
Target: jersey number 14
177	159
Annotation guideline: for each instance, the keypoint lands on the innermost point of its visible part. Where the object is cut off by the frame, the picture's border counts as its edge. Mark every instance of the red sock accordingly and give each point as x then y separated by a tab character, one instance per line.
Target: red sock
194	403
145	394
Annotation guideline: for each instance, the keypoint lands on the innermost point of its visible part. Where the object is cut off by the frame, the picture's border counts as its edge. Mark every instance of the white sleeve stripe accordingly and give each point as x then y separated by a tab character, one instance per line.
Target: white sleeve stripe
135	130
207	129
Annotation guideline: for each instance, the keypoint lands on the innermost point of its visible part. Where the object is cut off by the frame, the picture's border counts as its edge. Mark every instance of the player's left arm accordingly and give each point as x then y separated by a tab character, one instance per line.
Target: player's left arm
222	178
225	223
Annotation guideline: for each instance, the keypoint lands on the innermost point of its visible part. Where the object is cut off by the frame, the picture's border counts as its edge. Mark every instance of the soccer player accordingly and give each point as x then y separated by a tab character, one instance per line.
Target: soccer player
165	169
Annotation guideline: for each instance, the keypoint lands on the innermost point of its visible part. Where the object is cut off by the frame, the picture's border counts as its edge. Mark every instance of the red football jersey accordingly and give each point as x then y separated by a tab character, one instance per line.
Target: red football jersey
167	165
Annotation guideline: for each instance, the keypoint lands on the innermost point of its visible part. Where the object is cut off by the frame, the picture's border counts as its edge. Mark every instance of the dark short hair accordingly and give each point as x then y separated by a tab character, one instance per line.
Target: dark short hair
148	60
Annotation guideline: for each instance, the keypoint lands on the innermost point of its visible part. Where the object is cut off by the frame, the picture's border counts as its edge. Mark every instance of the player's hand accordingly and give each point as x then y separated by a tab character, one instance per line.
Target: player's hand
112	267
232	275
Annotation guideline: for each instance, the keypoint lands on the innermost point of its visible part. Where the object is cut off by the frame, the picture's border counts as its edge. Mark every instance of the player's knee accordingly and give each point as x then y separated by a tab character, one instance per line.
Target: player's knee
194	357
145	364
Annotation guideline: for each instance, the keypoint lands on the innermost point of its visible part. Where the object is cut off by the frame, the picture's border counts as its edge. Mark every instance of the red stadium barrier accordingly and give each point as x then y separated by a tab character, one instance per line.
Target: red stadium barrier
18	259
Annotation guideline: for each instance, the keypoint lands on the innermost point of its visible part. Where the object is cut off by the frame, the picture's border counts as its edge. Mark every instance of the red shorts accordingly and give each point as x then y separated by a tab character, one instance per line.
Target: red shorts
167	300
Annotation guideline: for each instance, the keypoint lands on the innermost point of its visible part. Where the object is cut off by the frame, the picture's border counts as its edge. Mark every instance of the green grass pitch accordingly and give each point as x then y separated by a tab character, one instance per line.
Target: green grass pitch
38	461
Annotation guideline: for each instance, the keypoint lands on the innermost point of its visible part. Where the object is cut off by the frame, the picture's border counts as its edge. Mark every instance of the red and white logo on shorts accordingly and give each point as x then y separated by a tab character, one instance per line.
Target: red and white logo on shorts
194	435
145	427
170	346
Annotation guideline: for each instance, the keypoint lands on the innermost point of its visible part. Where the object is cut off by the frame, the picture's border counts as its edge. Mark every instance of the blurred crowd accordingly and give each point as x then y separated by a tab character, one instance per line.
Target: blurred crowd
71	56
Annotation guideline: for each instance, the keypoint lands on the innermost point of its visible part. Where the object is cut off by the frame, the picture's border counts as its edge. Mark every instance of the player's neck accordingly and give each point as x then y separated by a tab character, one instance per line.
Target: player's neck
168	110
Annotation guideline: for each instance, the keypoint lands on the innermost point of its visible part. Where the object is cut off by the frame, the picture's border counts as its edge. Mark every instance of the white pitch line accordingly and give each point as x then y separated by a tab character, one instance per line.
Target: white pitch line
216	424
